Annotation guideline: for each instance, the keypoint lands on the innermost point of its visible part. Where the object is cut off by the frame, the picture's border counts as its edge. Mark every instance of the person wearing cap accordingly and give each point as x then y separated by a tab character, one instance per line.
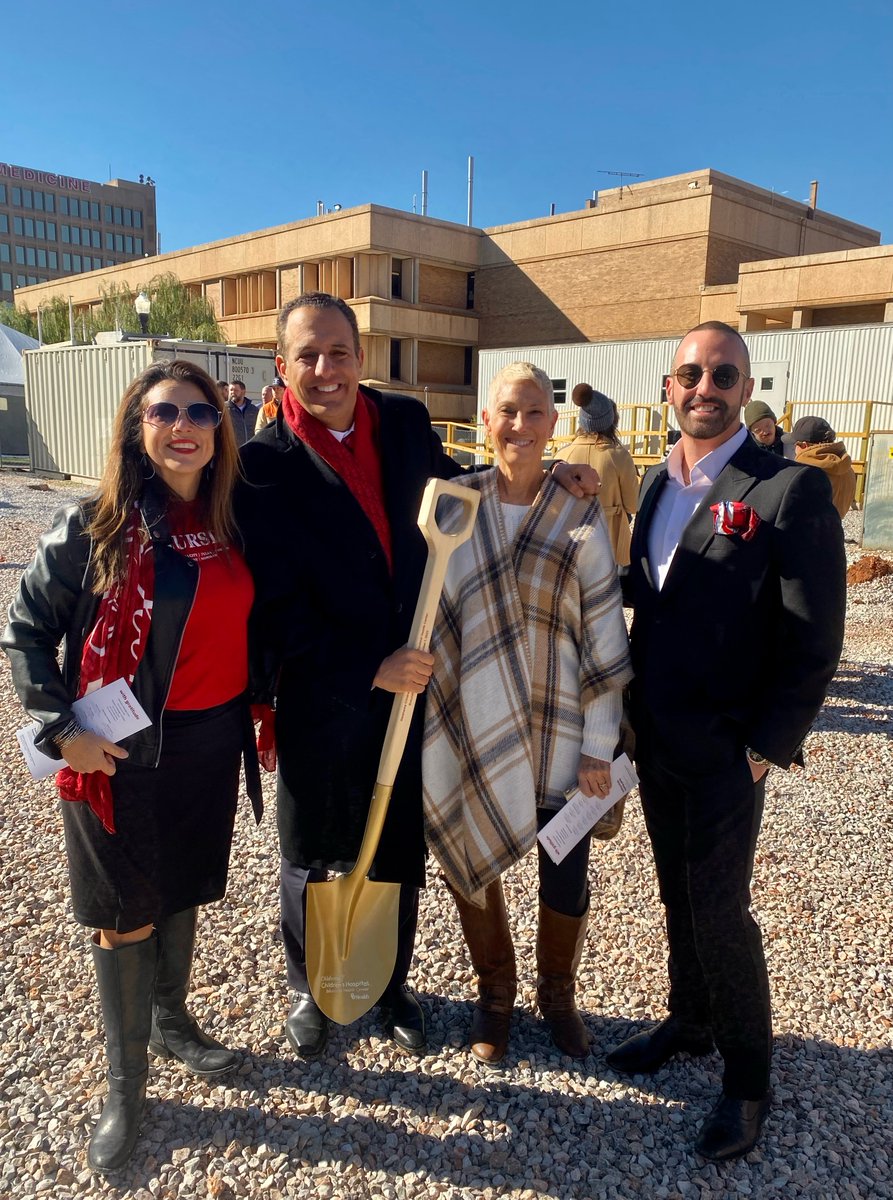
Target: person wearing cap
760	421
270	399
816	445
598	445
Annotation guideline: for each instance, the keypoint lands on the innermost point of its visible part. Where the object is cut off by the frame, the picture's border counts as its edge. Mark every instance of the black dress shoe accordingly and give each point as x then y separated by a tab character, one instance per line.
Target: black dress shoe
307	1027
404	1020
732	1128
648	1051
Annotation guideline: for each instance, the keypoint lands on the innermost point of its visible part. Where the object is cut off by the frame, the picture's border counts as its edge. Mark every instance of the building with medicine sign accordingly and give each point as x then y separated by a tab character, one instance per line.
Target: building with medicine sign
647	260
55	225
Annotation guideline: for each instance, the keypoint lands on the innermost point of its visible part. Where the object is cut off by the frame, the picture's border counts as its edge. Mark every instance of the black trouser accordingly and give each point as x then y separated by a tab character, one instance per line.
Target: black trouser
703	832
293	904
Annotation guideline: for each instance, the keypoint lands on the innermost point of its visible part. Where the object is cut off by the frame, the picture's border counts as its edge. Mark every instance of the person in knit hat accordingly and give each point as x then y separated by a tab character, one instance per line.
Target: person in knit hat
760	421
815	443
598	445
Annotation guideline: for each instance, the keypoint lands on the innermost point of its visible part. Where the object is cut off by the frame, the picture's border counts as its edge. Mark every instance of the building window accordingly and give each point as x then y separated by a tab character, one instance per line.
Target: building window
20	281
469	364
18	226
109	241
395	358
63	206
396	291
137	219
469	291
128	243
49	202
40	229
17	197
66	233
41	258
119	243
4	223
95	240
51	231
53	260
76	262
29	227
94	211
2	193
38	201
138	245
30	256
4	252
107	213
75	235
128	217
7	281
559	387
66	263
20	255
27	198
117	212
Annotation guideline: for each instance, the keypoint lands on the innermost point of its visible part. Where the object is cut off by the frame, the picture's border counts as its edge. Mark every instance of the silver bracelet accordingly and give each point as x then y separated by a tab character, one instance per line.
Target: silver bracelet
69	732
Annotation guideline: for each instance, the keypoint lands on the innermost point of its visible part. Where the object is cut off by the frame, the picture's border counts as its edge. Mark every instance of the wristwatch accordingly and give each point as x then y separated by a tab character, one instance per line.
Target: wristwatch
756	758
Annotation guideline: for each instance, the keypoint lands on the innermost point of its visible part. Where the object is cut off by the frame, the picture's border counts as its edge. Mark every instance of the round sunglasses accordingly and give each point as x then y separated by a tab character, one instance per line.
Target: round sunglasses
725	376
165	412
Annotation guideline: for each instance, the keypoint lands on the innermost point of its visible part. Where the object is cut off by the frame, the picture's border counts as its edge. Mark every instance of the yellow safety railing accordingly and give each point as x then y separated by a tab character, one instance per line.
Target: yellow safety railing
647	434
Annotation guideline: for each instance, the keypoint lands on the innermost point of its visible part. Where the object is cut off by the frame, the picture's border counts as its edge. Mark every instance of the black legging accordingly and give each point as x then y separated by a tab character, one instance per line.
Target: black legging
564	888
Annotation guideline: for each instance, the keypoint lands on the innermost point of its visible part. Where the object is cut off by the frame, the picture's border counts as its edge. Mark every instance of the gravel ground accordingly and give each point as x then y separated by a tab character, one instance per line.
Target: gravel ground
365	1121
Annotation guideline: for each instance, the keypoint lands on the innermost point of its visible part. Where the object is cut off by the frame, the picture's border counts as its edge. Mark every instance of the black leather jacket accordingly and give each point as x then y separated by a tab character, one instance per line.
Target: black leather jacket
56	606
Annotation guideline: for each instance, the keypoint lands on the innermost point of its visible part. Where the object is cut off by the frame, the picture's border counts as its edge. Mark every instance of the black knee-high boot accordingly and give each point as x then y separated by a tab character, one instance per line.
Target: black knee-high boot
175	1033
125	977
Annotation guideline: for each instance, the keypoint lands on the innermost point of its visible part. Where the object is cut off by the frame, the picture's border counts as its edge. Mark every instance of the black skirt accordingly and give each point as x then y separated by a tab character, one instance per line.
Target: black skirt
174	826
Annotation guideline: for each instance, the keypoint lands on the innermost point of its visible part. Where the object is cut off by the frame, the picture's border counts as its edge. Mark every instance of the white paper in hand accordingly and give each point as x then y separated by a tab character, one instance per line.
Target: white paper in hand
111	711
581	812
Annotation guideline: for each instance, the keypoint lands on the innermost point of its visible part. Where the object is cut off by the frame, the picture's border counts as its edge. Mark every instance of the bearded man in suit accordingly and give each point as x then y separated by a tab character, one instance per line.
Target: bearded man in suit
737	581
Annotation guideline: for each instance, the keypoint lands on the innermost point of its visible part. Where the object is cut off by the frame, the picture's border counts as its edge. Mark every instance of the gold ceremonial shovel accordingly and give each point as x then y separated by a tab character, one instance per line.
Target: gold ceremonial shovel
352	921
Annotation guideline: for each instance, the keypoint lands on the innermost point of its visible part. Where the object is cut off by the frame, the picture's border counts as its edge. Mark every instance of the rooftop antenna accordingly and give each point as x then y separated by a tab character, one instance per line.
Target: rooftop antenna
470	187
624	175
424	193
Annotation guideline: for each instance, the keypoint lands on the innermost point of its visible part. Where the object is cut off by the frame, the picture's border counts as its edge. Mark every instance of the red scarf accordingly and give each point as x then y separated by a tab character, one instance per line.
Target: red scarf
113	651
359	466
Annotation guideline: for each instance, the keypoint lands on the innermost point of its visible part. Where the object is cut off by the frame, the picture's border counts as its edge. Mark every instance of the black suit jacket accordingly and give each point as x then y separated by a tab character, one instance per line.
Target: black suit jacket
327	613
740	644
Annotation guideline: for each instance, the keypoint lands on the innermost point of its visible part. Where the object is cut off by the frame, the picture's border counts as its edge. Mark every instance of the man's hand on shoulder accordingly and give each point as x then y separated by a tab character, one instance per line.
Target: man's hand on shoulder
577	478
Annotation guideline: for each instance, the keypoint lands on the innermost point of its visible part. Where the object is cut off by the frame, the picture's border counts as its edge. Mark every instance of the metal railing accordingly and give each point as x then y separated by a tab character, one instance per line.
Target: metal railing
646	434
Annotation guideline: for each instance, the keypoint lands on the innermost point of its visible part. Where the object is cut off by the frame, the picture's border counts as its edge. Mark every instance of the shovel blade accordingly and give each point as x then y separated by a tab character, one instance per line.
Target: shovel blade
351	941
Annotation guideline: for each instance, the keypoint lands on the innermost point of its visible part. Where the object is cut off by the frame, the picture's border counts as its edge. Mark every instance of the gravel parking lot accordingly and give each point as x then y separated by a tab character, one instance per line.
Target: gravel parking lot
366	1121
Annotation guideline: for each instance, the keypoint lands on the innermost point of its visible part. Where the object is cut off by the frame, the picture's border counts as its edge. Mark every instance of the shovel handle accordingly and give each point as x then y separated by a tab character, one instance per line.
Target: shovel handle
440	546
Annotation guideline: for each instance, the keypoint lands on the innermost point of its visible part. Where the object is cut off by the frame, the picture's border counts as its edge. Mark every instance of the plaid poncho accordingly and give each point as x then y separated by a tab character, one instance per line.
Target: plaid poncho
531	658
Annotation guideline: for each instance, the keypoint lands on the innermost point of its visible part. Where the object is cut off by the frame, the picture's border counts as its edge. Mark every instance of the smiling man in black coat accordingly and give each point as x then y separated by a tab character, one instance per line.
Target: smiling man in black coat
737	581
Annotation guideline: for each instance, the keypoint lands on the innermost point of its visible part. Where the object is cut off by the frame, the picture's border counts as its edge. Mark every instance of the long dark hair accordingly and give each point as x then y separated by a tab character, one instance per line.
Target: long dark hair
125	473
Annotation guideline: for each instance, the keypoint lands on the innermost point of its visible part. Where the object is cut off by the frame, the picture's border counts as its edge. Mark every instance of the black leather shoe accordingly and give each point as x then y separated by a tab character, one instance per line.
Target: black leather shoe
732	1128
307	1027
404	1020
648	1051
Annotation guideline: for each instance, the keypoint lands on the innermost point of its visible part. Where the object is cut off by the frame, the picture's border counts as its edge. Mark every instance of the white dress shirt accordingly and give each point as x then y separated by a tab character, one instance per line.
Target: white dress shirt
679	501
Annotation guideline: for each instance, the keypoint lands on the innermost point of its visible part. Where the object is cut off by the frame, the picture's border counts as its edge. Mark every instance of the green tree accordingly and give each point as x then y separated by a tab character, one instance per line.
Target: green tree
18	318
176	312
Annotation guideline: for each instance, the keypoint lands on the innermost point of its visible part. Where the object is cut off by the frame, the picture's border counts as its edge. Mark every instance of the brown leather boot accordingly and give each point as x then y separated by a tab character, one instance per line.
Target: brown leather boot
559	947
489	941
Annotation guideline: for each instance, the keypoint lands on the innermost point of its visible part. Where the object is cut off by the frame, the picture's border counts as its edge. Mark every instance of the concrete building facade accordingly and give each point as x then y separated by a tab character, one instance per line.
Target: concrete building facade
642	261
53	226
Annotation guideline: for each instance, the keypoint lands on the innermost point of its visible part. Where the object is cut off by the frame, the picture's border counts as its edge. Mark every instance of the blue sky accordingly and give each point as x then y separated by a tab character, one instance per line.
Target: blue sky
247	113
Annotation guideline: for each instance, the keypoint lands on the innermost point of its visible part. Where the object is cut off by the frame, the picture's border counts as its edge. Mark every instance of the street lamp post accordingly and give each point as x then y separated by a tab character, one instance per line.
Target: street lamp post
143	306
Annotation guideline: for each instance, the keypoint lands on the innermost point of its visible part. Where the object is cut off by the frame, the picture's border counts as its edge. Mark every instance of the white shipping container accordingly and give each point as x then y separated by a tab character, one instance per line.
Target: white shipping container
73	392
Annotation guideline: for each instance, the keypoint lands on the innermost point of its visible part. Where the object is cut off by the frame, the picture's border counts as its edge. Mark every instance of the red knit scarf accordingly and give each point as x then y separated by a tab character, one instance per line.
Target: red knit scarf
113	650
359	466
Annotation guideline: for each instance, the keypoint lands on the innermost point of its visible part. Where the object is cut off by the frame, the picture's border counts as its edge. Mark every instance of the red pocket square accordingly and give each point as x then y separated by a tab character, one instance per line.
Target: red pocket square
733	516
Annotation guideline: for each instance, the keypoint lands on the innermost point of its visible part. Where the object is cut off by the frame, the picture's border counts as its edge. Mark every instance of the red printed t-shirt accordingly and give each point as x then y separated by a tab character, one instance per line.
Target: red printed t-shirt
212	666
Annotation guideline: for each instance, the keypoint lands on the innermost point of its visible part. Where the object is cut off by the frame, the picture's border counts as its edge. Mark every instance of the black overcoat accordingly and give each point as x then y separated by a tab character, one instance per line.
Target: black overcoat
739	645
327	613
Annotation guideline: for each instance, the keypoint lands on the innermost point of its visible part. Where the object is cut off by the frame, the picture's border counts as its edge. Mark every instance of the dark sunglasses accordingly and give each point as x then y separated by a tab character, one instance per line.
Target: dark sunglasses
165	412
725	376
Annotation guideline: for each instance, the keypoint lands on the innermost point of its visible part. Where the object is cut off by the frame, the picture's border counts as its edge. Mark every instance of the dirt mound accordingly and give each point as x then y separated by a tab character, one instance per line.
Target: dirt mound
869	566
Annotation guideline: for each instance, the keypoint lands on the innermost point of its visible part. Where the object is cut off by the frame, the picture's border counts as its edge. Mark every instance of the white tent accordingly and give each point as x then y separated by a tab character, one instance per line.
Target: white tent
12	343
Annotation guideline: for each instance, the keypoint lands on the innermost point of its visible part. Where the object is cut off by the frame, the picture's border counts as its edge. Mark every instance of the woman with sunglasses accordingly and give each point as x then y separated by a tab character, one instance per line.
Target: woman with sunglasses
144	582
